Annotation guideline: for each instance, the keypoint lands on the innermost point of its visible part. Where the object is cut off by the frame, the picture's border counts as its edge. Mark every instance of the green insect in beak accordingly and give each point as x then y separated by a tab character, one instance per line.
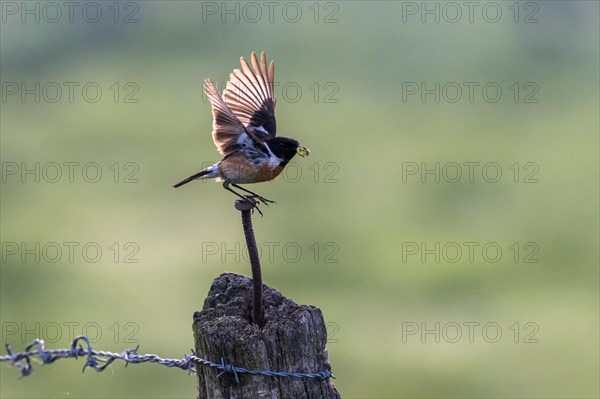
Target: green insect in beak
303	151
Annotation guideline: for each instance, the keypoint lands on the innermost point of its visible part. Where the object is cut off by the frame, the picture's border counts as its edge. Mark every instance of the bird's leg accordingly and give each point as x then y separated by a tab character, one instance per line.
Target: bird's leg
246	198
264	200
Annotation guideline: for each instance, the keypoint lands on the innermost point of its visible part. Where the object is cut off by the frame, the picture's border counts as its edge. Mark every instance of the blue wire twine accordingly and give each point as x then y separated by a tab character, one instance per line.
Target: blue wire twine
100	360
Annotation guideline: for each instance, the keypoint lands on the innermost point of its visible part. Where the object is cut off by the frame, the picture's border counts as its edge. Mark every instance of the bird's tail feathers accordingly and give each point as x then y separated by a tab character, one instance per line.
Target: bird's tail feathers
207	173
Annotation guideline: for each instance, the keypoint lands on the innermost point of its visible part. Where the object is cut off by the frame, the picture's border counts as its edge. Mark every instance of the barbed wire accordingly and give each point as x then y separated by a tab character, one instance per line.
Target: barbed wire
100	360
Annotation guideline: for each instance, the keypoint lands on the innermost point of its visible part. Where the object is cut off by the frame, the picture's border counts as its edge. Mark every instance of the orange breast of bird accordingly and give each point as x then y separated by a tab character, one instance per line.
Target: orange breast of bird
239	169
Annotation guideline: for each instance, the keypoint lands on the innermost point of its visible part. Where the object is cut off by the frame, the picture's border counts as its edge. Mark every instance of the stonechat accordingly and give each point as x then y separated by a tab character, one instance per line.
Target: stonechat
244	131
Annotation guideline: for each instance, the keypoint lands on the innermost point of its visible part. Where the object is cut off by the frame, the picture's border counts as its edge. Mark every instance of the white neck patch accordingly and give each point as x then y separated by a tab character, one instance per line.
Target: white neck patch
273	160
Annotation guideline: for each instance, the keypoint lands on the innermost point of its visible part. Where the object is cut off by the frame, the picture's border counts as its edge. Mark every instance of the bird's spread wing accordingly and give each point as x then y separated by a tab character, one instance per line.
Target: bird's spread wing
228	131
229	134
250	95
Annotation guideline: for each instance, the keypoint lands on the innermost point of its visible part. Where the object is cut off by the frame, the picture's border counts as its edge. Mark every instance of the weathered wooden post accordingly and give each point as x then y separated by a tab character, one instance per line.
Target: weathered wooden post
286	337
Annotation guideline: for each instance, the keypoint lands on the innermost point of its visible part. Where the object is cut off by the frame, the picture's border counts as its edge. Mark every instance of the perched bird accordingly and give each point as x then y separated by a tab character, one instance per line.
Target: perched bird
244	130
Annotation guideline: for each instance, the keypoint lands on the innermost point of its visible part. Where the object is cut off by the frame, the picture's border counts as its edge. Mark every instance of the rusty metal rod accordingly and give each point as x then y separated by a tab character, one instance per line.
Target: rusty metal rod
257	307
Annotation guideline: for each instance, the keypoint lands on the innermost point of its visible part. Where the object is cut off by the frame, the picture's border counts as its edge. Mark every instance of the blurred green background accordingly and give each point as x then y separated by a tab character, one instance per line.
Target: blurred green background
353	232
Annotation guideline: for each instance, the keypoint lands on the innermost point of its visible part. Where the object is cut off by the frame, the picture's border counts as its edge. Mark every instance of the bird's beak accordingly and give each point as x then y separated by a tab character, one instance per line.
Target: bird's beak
302	151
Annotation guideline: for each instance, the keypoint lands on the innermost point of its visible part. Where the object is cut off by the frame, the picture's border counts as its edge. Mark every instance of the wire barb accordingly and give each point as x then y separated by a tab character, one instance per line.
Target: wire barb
100	360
